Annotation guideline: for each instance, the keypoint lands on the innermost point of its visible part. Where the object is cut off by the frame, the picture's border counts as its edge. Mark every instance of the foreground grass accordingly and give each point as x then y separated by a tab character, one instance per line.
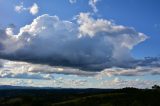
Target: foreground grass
115	99
123	97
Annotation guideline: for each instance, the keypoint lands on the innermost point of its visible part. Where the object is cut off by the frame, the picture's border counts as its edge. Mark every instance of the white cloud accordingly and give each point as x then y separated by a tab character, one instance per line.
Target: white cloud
34	9
24	75
122	83
116	80
9	31
80	83
59	82
10	69
72	1
93	3
125	37
20	8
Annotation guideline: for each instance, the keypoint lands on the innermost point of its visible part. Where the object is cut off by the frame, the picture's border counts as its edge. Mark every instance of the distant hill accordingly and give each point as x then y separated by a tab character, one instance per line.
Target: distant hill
6	87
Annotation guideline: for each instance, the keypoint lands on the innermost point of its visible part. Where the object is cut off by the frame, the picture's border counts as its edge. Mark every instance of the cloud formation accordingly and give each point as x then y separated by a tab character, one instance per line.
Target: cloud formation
90	44
20	72
12	69
34	9
16	68
93	3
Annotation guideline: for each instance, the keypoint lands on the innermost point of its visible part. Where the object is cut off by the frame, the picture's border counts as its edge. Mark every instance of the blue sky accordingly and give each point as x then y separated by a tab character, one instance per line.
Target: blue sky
142	15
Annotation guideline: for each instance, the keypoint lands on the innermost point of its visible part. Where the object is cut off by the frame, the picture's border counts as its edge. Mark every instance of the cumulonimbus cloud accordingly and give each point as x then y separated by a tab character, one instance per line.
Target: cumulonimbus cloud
88	44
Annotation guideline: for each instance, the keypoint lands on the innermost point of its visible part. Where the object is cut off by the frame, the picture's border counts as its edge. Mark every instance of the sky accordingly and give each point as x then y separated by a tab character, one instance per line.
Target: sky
80	43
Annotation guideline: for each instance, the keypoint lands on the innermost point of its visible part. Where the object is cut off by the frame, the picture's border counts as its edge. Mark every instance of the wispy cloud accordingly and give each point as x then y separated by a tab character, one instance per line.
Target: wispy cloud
72	1
81	83
93	3
20	8
121	83
34	9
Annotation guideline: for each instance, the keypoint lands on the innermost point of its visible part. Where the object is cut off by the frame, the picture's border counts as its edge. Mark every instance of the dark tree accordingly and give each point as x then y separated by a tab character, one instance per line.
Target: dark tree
155	87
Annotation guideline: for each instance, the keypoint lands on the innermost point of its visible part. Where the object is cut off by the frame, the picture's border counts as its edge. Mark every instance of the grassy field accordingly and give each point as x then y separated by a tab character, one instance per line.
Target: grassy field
79	97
